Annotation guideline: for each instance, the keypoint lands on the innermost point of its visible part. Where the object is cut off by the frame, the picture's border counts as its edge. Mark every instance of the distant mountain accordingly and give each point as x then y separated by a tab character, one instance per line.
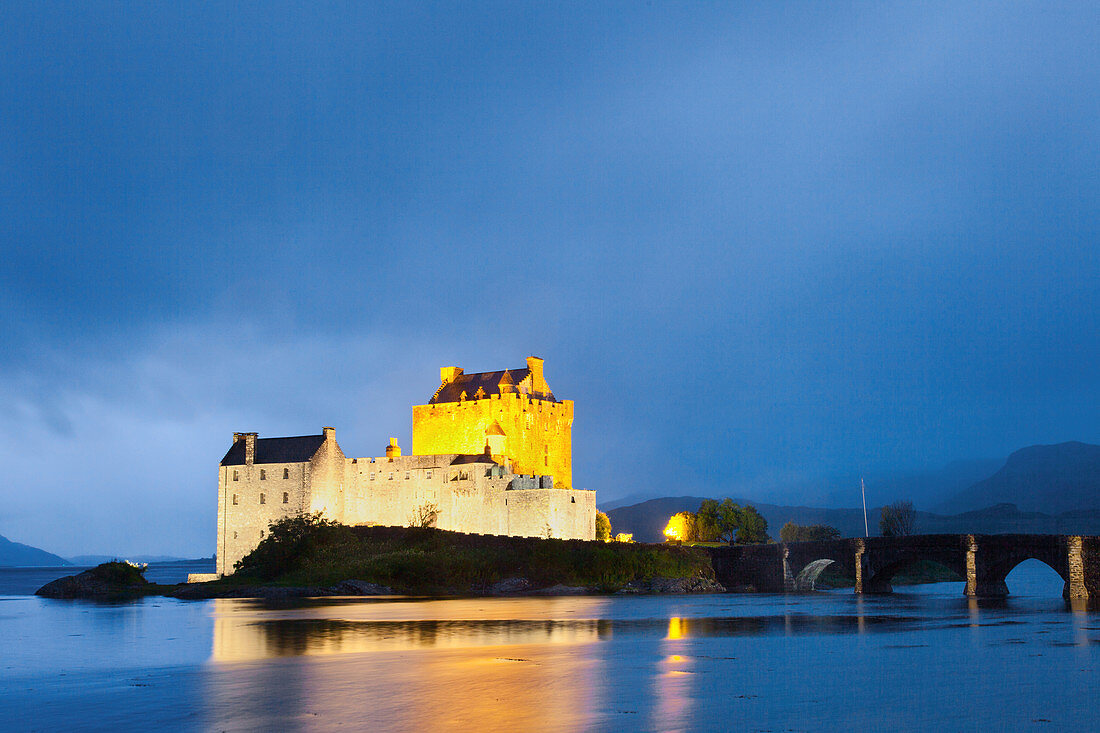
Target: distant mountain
97	559
926	489
647	520
1042	478
16	554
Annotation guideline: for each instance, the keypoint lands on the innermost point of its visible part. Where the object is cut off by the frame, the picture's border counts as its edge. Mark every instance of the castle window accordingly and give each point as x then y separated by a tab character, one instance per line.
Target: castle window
427	474
236	476
372	476
234	500
406	475
234	535
391	476
263	499
286	473
263	475
286	497
572	500
261	533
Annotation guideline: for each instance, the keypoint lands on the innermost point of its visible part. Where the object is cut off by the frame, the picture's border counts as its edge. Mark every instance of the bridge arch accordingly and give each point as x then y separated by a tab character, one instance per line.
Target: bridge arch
808	576
994	580
881	581
885	560
805	561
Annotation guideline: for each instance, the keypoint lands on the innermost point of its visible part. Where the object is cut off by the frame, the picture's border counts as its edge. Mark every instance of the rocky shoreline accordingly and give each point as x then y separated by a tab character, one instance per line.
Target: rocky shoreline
111	582
509	587
108	581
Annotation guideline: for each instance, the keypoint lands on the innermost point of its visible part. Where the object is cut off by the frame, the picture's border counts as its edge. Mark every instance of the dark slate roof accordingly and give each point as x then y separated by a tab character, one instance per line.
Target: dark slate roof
480	458
276	450
469	383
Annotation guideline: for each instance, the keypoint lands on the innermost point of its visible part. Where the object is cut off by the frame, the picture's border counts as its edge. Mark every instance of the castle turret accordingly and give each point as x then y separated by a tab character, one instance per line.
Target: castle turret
393	450
538	382
495	440
449	374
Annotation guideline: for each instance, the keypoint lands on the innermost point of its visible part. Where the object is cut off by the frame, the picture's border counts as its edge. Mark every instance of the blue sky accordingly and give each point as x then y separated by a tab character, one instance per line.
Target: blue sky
762	245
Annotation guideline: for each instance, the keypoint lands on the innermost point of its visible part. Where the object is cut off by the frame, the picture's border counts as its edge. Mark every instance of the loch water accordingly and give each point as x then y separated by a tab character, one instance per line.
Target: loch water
923	658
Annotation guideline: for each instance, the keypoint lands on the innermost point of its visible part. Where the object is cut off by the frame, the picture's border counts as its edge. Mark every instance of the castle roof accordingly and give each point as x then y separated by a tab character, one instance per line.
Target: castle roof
276	450
488	382
462	459
495	429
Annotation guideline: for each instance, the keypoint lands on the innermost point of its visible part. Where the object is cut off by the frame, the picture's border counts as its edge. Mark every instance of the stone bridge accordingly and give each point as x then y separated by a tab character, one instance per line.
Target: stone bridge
984	561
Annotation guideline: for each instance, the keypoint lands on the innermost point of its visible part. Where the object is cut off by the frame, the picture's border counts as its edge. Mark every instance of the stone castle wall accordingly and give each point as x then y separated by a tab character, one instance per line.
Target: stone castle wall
471	497
251	497
538	433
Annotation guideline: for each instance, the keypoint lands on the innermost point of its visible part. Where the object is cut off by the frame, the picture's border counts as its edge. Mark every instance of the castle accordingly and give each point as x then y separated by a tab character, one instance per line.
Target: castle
491	454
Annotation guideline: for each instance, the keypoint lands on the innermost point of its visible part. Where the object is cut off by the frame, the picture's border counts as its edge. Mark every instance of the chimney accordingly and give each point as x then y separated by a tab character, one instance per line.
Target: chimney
449	374
538	382
329	433
393	450
236	437
249	448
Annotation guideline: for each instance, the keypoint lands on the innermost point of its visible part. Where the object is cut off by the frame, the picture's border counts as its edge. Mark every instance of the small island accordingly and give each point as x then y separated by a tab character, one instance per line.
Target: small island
308	556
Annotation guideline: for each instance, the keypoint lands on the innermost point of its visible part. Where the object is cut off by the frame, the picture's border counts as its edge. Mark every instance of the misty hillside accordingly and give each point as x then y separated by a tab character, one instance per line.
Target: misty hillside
1041	478
647	520
16	554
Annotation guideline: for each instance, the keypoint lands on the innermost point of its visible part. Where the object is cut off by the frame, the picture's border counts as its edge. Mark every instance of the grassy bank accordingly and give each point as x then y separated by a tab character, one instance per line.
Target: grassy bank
307	552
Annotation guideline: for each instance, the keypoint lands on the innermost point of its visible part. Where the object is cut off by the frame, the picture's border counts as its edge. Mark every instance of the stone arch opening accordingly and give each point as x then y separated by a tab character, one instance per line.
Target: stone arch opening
807	578
914	570
819	569
994	581
1035	577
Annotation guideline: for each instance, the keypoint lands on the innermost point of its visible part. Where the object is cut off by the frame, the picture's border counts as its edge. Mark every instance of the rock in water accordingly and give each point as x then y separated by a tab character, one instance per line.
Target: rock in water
109	580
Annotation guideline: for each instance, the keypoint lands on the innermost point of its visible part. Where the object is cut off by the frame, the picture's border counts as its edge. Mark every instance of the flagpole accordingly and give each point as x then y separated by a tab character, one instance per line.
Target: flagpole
863	492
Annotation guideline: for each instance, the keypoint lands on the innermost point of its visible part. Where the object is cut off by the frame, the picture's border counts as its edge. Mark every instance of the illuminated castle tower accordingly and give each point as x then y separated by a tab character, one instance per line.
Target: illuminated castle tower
512	413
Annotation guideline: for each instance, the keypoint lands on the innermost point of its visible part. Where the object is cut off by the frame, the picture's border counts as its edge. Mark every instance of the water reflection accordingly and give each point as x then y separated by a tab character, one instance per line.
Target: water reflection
817	662
240	637
375	671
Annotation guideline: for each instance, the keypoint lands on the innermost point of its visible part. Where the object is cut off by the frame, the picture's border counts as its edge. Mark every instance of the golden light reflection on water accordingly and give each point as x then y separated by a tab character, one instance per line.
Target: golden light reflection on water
527	664
675	628
244	631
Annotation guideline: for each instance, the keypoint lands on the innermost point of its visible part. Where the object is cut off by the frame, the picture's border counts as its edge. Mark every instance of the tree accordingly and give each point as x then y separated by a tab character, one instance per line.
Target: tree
708	521
681	526
897	519
752	528
603	527
287	539
727	522
424	515
792	532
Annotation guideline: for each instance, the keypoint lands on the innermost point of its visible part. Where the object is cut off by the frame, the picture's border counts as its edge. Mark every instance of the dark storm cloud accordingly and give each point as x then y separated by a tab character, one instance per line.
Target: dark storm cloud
760	246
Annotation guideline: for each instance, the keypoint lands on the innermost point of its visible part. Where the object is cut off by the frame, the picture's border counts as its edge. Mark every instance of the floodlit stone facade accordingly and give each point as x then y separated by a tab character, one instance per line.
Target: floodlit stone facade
491	455
514	412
